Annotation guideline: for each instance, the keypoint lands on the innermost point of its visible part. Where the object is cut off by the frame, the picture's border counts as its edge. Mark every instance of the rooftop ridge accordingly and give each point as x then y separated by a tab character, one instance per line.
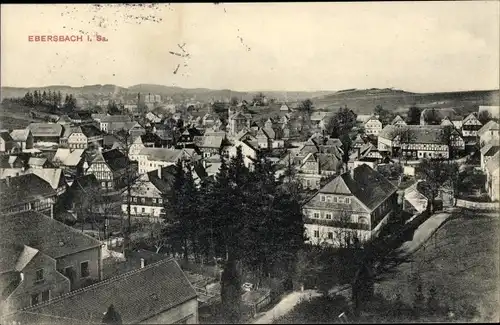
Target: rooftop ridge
100	283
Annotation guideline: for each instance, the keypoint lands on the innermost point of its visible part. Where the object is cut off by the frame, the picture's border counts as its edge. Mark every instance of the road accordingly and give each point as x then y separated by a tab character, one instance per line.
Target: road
292	299
423	233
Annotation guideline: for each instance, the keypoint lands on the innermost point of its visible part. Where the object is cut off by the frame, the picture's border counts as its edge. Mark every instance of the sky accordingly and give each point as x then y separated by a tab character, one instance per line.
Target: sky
414	46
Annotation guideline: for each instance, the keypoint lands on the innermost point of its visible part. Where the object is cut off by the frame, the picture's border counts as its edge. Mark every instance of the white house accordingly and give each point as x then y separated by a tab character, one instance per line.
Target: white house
248	151
489	133
471	125
373	126
150	159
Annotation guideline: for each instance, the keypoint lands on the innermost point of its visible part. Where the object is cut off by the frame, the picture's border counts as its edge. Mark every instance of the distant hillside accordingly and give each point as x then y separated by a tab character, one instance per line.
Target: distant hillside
177	93
363	101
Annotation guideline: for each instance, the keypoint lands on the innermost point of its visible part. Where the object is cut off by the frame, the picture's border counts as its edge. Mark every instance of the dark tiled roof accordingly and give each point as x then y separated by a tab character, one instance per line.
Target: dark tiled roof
6	136
366	184
23	189
115	159
90	131
136	295
49	236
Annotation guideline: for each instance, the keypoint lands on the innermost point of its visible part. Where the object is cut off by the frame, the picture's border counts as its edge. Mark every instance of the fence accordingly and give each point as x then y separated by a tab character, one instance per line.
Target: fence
486	206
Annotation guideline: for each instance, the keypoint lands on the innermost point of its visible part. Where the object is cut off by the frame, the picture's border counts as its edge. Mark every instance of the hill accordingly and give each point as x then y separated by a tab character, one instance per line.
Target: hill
363	101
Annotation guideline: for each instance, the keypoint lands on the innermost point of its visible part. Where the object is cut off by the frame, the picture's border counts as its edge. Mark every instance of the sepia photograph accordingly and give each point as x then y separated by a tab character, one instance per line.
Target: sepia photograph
250	163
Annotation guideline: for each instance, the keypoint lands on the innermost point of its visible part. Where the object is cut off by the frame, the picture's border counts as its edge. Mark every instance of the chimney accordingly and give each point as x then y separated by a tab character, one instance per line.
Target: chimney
159	173
7	180
142	263
22	276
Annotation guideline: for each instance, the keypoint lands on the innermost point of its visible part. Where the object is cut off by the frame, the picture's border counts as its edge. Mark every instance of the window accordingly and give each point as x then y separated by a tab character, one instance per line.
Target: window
103	184
341	200
316	233
322	197
39	275
328	216
110	184
330	235
134	199
160	201
316	215
335	199
143	210
135	209
154	200
143	200
328	198
84	269
34	299
46	295
162	210
347	200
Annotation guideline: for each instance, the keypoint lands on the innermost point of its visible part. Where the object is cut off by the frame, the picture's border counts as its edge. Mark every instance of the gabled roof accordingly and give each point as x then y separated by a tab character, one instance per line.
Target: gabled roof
68	157
45	129
47	235
90	131
366	184
6	136
115	159
490	125
270	132
397	119
20	134
22	189
37	161
136	295
471	117
53	176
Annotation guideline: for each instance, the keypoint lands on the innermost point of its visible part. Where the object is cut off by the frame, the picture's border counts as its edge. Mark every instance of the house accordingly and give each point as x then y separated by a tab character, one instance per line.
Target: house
98	117
150	159
46	132
471	126
358	142
39	162
209	119
493	176
110	123
23	138
26	192
82	136
237	122
354	204
487	152
315	166
263	139
414	202
367	153
148	192
489	132
111	168
398	121
157	293
493	110
53	176
187	137
44	259
248	151
71	161
373	126
153	118
136	130
363	118
209	144
423	141
6	142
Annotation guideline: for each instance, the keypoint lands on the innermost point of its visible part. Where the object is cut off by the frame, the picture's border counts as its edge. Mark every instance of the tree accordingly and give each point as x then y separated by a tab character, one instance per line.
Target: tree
403	136
484	117
234	101
448	136
306	106
384	115
432	117
44	97
231	292
436	173
341	122
413	115
36	98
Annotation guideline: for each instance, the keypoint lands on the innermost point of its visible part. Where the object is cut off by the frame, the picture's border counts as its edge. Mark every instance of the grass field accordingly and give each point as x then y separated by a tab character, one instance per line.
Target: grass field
461	260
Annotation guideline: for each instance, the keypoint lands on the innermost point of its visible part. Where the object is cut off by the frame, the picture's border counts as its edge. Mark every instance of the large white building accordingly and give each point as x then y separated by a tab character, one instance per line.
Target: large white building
150	159
373	126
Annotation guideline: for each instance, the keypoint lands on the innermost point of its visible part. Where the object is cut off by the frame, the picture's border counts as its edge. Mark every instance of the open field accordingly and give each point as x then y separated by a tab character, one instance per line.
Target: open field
461	260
